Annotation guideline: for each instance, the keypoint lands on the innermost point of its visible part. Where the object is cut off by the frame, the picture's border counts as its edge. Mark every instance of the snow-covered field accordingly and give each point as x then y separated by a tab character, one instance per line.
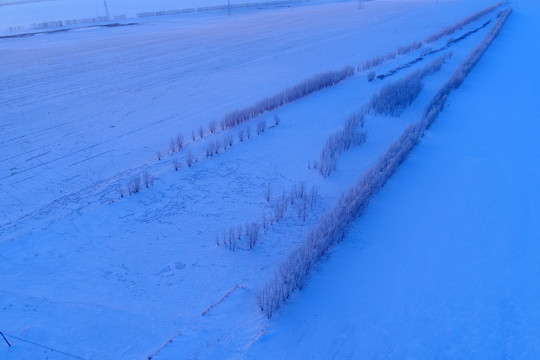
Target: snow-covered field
446	262
17	15
92	272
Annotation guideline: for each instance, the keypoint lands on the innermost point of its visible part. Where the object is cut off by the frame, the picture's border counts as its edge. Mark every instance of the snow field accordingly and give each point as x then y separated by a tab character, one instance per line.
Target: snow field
444	262
133	272
293	271
17	16
283	270
74	140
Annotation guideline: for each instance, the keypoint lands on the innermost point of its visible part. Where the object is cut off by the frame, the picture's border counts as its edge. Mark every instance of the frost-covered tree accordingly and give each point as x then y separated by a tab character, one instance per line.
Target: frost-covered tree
147	179
120	190
395	97
176	164
261	126
134	185
350	135
229	139
190	158
268	192
179	142
286	96
241	135
212	126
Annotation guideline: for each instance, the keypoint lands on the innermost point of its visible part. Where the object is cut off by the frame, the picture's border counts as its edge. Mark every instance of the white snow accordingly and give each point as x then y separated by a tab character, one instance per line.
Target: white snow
446	261
25	15
98	276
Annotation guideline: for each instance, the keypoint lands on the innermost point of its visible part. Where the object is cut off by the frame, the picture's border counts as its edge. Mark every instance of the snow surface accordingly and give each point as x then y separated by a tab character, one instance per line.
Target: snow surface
156	80
16	15
98	276
446	261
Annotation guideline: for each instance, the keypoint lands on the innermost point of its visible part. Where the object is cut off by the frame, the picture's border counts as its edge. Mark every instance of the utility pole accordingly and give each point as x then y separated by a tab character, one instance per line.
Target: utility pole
229	7
360	4
106	9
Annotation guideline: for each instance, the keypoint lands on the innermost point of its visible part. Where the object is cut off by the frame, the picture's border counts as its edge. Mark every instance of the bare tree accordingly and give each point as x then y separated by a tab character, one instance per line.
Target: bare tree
120	190
279	209
134	185
229	139
301	189
212	126
268	192
190	159
293	195
179	142
147	179
176	164
286	96
212	148
261	126
231	239
313	196
252	234
340	141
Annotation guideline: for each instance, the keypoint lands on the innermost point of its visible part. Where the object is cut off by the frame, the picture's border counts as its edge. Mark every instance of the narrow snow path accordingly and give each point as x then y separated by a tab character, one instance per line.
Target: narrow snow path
446	261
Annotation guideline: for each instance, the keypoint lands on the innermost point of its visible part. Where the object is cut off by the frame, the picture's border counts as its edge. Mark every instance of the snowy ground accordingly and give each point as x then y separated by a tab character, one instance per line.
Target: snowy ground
103	277
446	262
196	72
18	15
